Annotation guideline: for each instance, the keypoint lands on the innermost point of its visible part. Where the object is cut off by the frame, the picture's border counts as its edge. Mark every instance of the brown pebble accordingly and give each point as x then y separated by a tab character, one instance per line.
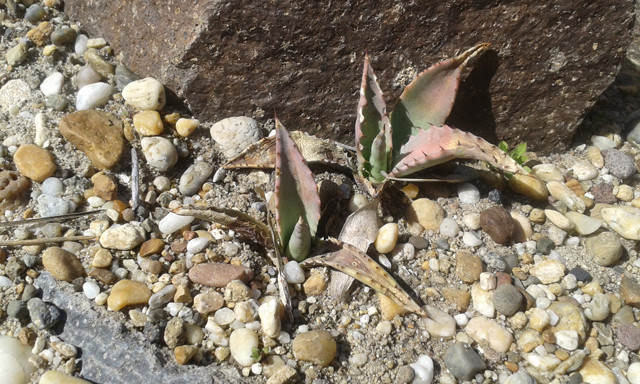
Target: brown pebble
105	186
179	246
502	278
629	336
102	275
184	353
457	297
3	255
182	295
34	162
630	291
575	186
151	247
40	34
62	264
188	235
389	308
513	367
468	266
218	274
497	222
315	285
14	189
318	347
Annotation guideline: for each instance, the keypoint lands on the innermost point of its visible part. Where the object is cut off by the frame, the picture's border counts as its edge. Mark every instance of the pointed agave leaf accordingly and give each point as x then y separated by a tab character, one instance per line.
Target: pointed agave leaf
360	266
429	98
296	193
440	144
372	121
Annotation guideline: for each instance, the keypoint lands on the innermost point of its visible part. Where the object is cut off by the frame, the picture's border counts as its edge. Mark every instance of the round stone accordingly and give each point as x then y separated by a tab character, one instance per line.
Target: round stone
34	162
462	361
619	163
43	315
468	193
193	178
87	75
269	313
90	289
62	264
185	127
242	343
605	248
317	347
547	172
122	237
387	238
93	95
497	222
159	152
64	36
293	273
629	336
633	373
468	266
145	94
507	299
235	134
584	171
197	244
624	220
488	331
425	212
207	302
148	123
438	323
449	227
173	222
127	293
529	186
548	271
52	85
218	274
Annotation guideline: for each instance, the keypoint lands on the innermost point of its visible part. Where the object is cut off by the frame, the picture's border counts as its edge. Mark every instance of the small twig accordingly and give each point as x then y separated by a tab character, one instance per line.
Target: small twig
15	243
135	180
4	224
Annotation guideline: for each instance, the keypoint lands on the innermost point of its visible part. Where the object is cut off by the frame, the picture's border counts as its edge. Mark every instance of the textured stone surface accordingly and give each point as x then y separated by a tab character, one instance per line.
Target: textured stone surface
105	345
304	58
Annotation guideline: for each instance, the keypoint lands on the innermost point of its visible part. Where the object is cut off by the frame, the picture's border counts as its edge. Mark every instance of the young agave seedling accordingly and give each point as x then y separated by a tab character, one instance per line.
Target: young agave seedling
296	197
413	136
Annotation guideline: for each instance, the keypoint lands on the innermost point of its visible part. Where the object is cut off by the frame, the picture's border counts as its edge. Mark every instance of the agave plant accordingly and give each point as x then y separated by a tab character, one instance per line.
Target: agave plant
414	135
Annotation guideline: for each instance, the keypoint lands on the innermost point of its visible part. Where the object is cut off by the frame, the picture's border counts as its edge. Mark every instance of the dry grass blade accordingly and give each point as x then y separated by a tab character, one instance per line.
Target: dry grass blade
46	240
361	267
68	216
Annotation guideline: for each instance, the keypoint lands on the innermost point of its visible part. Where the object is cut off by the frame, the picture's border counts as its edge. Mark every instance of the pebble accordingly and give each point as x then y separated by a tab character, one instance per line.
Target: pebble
235	134
633	373
605	248
497	222
602	142
55	377
173	222
145	94
507	299
269	313
52	186
468	193
207	302
293	273
124	76
559	220
218	274
544	363
15	362
472	221
468	266
197	244
122	237
423	370
598	308
624	220
462	361
488	331
64	36
629	336
86	76
315	285
193	178
91	289
159	152
567	339
162	297
241	344
520	377
594	371
34	162
584	225
148	123
98	134
62	265
620	164
562	193
482	301
547	172
104	68
630	291
174	332
439	324
52	85
35	14
548	271
449	227
127	293
185	127
584	171
13	92
17	55
386	238
93	95
570	317
43	315
5	281
471	240
428	213
184	353
53	206
18	309
528	186
317	347
286	374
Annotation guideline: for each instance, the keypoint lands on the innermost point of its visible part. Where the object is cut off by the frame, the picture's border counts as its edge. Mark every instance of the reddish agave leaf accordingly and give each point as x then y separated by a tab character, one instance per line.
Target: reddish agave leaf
296	192
360	266
437	145
314	150
429	98
371	119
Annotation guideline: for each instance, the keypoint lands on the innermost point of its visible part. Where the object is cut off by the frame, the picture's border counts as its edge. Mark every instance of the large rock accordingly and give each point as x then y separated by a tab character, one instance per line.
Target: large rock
305	58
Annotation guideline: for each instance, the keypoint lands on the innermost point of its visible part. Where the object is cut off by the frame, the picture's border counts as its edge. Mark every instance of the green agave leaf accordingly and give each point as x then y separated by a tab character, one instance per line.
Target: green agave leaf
429	98
437	145
296	192
373	130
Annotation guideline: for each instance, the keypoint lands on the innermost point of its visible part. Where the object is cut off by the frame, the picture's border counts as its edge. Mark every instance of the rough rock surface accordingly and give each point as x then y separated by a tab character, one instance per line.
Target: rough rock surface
112	353
304	58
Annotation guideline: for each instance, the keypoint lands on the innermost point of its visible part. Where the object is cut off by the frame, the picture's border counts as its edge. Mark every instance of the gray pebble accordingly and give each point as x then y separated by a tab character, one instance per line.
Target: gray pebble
575	378
43	315
545	245
174	333
462	361
419	242
14	268
193	178
605	248
259	206
507	299
405	375
64	36
124	76
162	297
35	13
17	55
494	261
29	292
442	243
56	102
18	309
634	135
620	164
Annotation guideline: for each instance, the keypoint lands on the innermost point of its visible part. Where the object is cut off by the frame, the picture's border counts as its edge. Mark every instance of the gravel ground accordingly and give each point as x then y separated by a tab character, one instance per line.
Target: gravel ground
576	318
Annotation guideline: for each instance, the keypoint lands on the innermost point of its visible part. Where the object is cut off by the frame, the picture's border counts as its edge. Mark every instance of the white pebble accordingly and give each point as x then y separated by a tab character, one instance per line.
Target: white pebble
93	95
553	318
470	240
197	244
256	368
387	237
145	94
356	202
567	339
5	281
224	316
269	317
472	221
80	45
90	289
241	345
52	85
423	369
95	201
101	299
461	319
174	308
449	227
42	134
173	222
487	281
293	273
52	186
468	193
159	152
633	373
